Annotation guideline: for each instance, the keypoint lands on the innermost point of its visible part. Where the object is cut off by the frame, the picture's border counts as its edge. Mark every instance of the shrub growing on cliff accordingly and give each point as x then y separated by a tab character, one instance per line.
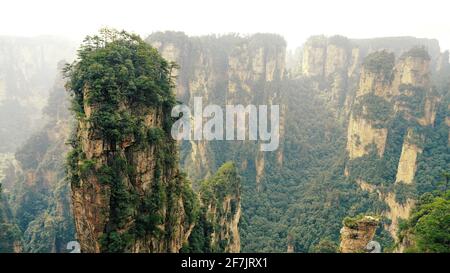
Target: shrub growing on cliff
117	83
374	108
117	70
380	62
412	99
210	217
340	41
224	182
416	52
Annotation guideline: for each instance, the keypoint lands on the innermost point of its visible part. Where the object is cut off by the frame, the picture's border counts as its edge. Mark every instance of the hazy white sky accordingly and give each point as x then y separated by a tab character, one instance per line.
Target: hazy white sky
295	20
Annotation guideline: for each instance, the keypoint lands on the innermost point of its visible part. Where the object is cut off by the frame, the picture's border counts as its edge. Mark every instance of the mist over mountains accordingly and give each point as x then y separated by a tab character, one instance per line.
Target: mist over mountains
364	130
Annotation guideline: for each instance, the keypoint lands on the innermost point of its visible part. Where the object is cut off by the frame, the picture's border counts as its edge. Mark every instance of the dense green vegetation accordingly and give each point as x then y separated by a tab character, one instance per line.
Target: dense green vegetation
428	228
375	109
314	197
435	158
378	170
39	195
121	78
115	68
308	196
10	234
302	201
416	52
412	99
225	183
380	62
325	246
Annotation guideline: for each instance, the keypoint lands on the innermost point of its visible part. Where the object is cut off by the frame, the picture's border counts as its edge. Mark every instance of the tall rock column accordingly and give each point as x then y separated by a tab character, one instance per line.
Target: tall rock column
127	191
372	107
357	233
397	98
416	103
221	199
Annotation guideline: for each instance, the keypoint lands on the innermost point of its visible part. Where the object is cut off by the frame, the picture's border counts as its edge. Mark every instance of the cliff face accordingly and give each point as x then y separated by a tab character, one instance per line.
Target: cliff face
367	124
224	210
223	70
361	134
321	51
127	191
408	158
222	199
95	201
335	63
413	84
367	97
357	233
324	57
314	54
394	100
216	67
393	88
332	62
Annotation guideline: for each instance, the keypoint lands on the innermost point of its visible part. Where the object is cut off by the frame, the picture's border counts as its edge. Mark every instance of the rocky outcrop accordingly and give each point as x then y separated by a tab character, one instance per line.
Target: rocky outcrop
216	67
323	57
221	196
256	60
314	53
332	62
413	68
128	193
335	63
361	134
408	81
397	211
408	160
366	125
413	80
357	233
389	91
227	69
